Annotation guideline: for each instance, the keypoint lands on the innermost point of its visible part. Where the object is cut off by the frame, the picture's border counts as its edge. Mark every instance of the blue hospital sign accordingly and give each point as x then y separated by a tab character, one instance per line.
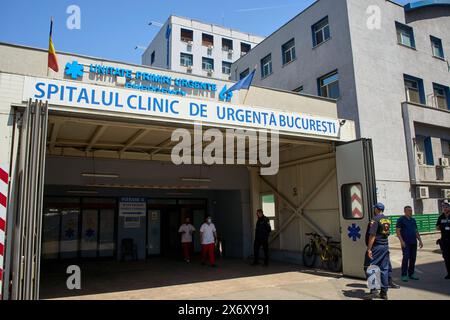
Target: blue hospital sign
175	108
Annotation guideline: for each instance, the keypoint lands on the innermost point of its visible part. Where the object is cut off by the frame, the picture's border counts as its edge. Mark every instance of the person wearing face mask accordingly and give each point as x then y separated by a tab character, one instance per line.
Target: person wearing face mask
208	237
186	230
443	225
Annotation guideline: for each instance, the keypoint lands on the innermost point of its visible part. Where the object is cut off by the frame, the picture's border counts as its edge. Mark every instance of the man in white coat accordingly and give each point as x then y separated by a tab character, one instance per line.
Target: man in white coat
208	237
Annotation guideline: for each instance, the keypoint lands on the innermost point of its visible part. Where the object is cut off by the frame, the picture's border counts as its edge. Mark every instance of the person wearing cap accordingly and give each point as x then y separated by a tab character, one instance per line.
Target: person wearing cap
392	283
408	234
378	248
443	225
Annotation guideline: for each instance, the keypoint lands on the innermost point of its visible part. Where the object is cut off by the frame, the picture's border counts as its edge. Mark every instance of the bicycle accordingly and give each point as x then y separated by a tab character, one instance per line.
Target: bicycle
328	251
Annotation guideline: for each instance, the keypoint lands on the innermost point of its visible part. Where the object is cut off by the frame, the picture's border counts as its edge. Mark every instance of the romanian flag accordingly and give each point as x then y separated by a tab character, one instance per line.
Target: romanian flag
52	61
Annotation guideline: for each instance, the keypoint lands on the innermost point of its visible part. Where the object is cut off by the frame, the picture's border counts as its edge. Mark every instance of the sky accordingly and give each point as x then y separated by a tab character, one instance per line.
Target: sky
113	29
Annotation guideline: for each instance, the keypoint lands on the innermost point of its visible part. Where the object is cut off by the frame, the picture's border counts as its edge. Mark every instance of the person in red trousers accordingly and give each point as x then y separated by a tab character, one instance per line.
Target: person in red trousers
208	237
186	230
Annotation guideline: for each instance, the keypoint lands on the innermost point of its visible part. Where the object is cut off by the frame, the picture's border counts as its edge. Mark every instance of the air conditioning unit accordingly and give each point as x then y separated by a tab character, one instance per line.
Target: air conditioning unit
443	162
422	193
420	158
446	193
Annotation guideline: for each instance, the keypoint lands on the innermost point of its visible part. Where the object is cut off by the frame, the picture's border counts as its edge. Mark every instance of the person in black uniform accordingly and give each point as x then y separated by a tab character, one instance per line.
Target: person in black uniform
443	225
262	233
378	248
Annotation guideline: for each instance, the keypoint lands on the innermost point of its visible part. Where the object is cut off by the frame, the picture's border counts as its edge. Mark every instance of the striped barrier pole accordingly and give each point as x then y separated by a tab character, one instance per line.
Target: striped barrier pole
4	180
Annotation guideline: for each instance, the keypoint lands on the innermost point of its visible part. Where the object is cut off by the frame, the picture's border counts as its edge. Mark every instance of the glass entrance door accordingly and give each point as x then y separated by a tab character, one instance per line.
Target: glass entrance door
89	233
79	228
69	233
106	233
153	232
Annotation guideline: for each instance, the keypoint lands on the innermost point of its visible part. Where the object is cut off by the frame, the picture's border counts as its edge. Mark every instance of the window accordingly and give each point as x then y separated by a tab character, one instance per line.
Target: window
269	209
187	35
186	59
405	35
329	85
424	150
298	90
244	73
436	45
352	201
207	64
207	40
226	67
320	31
441	96
420	150
414	89
245	48
266	66
152	58
227	44
288	51
445	148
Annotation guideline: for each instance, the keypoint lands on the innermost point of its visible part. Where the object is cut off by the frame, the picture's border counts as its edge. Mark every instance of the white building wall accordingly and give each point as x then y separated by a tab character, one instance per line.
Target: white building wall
159	46
198	51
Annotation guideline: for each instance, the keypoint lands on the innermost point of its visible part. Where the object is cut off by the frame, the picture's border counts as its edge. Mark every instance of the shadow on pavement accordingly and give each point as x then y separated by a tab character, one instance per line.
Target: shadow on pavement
431	278
99	277
355	293
357	285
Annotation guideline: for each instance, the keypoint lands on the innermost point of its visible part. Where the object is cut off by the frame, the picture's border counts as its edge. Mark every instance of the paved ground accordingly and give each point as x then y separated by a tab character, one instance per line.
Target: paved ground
236	280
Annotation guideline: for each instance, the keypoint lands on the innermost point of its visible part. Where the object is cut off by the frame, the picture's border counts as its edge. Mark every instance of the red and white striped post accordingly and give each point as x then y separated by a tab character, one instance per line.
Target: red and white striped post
4	180
357	204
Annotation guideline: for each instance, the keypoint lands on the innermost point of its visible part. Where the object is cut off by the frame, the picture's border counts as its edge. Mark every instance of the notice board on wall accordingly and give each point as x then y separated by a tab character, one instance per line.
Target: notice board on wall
132	207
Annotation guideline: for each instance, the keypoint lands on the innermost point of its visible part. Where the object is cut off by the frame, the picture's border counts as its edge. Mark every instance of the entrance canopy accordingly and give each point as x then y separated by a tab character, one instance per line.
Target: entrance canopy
120	139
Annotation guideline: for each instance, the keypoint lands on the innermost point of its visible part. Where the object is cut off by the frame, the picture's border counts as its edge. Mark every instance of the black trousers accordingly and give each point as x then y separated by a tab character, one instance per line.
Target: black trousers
445	247
257	245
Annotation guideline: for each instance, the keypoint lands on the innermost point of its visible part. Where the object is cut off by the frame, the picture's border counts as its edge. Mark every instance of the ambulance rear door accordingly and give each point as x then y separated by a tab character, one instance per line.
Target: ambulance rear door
357	194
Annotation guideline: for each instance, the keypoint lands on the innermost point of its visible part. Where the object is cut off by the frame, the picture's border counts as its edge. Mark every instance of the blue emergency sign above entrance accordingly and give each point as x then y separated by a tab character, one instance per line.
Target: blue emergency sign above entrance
141	80
176	109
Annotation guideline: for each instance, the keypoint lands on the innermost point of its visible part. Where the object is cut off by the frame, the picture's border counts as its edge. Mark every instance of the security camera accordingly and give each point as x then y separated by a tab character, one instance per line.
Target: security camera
342	122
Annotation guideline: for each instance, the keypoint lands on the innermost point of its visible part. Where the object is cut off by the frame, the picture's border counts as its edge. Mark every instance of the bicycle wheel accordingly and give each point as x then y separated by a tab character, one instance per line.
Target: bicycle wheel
334	259
309	255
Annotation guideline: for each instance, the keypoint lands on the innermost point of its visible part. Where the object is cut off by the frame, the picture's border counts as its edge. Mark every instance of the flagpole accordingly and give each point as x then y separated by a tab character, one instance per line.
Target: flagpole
246	94
49	37
248	90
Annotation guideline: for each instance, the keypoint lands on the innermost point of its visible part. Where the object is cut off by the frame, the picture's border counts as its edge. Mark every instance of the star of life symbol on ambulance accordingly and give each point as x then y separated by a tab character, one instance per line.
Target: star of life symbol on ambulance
74	69
354	232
